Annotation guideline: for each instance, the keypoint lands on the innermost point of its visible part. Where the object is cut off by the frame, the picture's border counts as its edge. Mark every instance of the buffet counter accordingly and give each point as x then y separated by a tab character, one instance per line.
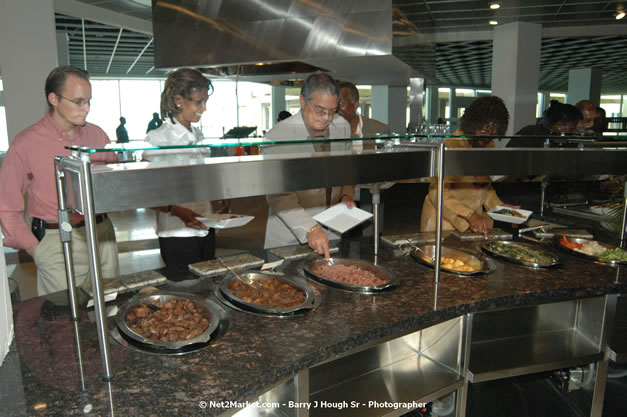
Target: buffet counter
397	348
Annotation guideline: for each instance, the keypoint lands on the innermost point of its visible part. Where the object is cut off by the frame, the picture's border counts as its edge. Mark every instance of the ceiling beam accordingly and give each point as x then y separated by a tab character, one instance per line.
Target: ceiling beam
486	35
82	10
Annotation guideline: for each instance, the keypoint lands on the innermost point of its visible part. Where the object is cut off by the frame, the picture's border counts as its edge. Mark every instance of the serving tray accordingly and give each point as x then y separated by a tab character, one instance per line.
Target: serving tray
391	280
258	277
125	283
491	249
425	254
493	234
585	256
297	251
159	299
237	262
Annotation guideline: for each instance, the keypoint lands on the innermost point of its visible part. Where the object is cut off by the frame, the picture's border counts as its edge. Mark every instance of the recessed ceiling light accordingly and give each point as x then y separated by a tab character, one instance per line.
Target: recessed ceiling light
494	22
620	14
495	5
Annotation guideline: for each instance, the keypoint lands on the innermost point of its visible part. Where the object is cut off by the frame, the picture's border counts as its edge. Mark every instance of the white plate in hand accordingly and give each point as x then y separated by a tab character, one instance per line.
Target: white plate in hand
225	220
340	218
507	218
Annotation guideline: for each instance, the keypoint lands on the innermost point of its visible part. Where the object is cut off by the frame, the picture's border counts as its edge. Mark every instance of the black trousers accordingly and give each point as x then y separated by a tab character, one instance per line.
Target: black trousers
179	252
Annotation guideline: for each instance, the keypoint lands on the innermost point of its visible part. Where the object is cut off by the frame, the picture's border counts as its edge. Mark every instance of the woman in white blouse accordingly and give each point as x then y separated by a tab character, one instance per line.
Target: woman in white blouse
183	239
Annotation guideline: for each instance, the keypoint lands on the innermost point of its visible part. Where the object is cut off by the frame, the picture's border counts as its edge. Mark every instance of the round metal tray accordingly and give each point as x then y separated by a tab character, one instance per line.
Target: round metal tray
305	306
585	256
488	247
392	280
160	298
426	252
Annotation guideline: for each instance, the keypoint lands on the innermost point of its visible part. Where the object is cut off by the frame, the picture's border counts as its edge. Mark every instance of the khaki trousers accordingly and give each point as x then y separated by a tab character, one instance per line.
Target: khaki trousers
51	274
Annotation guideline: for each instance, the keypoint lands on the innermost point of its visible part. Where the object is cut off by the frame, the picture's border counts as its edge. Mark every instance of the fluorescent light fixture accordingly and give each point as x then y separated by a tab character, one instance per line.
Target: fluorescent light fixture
494	22
495	5
620	14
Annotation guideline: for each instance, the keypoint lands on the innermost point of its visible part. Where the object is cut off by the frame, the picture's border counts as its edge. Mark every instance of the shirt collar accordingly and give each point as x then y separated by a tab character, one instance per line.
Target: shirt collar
52	124
179	130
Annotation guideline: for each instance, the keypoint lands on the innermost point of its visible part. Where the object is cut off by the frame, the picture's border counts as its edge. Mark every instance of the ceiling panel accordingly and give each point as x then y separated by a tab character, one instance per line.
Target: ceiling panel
463	63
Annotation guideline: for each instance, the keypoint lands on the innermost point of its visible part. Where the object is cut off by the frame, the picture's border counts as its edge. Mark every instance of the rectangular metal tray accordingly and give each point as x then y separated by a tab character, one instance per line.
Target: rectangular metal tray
214	267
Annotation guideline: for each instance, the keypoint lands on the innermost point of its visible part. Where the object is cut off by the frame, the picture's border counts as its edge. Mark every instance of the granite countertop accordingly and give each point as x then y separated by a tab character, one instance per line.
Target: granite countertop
41	374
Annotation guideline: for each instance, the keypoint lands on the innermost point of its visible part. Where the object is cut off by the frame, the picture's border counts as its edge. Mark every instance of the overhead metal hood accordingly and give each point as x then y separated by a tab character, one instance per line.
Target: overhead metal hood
270	40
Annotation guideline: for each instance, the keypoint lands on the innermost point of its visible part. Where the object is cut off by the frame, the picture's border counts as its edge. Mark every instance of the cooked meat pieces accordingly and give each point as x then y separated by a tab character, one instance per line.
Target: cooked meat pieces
273	293
175	321
350	274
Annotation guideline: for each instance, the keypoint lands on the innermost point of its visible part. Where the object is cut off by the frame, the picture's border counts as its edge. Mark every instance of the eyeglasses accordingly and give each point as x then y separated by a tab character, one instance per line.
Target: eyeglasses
80	102
322	111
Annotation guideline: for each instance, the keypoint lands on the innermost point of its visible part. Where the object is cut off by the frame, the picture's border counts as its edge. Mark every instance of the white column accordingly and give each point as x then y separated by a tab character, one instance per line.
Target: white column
63	48
389	105
278	103
516	70
584	84
28	52
434	105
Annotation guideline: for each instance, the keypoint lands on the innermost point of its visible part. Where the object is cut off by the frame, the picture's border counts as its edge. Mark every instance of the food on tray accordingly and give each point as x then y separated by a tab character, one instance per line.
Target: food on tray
522	253
273	293
455	264
176	320
509	212
594	248
570	245
617	254
350	274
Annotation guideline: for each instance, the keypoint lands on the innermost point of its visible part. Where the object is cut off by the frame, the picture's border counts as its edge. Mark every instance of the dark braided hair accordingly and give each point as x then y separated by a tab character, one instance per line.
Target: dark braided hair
183	82
485	113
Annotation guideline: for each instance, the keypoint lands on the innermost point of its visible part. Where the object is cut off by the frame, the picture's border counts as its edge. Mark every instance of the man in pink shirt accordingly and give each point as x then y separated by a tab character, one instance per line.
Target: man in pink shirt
28	168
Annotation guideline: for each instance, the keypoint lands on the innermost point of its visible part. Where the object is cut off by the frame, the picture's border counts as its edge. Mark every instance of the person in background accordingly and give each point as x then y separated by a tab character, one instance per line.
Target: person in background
154	123
589	113
283	114
467	199
290	218
28	169
600	122
361	126
183	239
558	119
121	133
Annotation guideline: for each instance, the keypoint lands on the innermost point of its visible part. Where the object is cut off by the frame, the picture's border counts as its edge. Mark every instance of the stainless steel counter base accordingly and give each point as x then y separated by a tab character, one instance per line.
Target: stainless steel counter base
423	366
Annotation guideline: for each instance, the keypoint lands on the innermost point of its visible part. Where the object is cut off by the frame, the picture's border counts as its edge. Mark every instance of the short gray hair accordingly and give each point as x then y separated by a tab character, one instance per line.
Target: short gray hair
320	82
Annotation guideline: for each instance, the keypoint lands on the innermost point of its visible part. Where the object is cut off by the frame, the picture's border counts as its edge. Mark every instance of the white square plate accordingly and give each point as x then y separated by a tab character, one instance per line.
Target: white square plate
340	218
510	219
225	220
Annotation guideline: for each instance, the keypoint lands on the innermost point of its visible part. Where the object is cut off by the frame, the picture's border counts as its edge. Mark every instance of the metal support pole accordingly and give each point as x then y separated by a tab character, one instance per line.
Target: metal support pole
94	265
65	233
438	229
376	200
624	223
543	185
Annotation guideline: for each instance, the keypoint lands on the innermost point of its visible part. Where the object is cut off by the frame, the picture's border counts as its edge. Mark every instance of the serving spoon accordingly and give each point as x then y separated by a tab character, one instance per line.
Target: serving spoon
244	281
419	249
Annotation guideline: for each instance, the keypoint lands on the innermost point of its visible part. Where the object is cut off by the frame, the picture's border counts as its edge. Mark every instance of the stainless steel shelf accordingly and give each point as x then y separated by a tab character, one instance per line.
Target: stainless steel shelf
416	378
528	354
142	184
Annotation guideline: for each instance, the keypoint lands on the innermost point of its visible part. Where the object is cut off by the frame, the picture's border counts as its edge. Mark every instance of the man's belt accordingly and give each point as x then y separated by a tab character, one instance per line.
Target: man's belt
99	219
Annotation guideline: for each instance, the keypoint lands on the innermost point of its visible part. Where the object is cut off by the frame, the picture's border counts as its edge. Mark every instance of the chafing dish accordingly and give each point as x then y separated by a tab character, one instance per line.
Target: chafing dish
159	299
389	281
